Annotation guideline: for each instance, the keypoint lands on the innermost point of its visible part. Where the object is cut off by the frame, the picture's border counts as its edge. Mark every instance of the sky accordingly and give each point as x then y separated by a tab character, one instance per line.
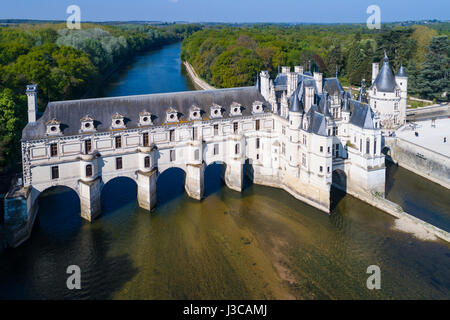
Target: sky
308	11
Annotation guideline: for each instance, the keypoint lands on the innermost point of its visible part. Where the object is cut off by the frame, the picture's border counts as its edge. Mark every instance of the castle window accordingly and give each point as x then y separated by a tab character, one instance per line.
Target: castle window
118	163
172	115
53	150
216	129
235	109
147	162
397	93
396	106
145	139
375	146
87	146
367	146
89	170
194	133
55	172
118	141
257	124
216	149
375	90
87	124
236	148
360	145
216	111
304	159
257	143
196	154
328	149
145	118
53	127
195	113
171	135
283	149
172	155
321	148
321	169
328	169
235	127
375	104
118	121
257	107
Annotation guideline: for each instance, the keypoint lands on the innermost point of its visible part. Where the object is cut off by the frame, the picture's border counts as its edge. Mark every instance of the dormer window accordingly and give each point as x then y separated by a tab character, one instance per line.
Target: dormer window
145	118
53	127
195	113
236	109
172	115
216	111
118	121
87	124
258	107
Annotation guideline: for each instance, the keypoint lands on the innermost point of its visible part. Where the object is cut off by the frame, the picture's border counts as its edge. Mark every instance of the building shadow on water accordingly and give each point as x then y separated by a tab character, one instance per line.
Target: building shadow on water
248	175
60	238
214	178
118	194
170	185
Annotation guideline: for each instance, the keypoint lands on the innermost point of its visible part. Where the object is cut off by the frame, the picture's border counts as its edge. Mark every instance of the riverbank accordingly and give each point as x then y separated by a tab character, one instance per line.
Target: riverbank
404	221
200	83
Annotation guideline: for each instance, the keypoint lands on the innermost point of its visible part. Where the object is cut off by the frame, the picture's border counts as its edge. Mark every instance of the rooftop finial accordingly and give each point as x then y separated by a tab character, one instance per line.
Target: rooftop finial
386	59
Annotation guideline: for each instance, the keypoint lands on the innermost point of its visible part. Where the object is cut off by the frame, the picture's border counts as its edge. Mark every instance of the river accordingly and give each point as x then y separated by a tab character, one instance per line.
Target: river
258	244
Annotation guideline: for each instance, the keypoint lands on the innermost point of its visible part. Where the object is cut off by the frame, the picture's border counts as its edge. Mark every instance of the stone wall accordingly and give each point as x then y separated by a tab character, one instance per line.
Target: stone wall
422	161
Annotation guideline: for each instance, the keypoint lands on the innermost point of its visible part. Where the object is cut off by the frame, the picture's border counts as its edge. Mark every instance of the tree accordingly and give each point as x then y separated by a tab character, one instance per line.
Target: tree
434	78
10	118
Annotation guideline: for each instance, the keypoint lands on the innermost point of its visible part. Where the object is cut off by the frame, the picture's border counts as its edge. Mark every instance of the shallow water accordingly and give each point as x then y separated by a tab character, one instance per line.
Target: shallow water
259	244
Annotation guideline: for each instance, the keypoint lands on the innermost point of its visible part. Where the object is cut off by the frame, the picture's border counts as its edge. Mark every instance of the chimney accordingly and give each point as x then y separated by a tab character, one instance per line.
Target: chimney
32	102
375	70
318	80
298	69
285	69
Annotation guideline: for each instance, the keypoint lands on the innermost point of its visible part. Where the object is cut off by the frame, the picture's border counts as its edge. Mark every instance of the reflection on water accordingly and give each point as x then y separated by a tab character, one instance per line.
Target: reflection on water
259	244
418	196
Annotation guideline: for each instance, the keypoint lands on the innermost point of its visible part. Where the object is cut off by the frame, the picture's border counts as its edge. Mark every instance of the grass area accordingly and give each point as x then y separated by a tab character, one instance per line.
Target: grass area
417	104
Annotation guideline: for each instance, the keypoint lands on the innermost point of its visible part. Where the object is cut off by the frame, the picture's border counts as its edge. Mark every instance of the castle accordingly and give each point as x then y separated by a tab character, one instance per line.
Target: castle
299	132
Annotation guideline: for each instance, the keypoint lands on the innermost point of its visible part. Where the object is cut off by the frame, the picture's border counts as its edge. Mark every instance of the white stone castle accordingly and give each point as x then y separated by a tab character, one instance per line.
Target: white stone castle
298	132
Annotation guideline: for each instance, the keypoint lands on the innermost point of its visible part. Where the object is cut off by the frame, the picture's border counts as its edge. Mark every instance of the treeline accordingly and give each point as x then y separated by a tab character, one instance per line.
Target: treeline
65	64
232	56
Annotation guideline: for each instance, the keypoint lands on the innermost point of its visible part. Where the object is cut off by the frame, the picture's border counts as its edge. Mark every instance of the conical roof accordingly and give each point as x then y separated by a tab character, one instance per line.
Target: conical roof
296	105
402	72
385	81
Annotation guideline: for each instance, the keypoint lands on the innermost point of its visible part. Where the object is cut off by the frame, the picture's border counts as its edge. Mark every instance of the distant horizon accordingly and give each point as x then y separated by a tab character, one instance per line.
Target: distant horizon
229	11
217	22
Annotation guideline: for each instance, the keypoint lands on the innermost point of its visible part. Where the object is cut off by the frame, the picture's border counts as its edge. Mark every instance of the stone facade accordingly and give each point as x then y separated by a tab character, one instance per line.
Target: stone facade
388	95
299	132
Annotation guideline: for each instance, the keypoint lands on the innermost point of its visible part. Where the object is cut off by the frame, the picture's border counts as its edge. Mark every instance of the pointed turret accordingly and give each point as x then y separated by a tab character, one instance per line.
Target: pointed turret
385	81
402	72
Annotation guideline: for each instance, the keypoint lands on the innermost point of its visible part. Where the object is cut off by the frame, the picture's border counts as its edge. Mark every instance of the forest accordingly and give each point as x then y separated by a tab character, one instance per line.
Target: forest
228	56
66	64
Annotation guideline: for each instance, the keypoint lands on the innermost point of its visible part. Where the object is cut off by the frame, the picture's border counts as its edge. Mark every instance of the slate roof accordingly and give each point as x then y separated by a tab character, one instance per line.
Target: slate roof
102	109
385	80
333	86
402	72
361	114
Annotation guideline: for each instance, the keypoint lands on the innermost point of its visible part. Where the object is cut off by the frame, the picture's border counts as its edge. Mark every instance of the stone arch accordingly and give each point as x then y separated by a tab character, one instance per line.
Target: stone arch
214	177
339	179
58	210
118	192
170	184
